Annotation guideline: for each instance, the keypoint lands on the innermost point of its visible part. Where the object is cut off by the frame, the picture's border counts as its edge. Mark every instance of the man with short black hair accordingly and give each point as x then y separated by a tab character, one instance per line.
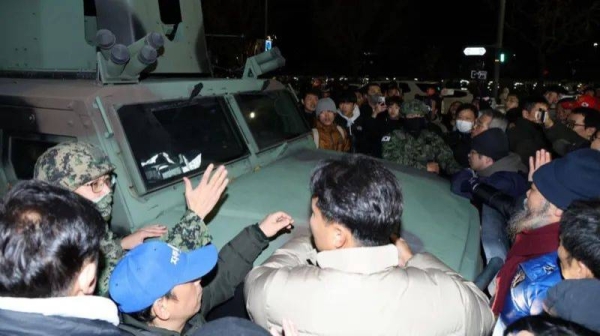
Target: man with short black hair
578	131
579	249
512	101
50	243
352	281
309	105
576	298
393	90
527	136
551	95
348	116
459	140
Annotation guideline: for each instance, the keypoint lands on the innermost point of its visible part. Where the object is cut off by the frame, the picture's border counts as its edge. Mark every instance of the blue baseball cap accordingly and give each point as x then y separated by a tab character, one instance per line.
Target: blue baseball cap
152	269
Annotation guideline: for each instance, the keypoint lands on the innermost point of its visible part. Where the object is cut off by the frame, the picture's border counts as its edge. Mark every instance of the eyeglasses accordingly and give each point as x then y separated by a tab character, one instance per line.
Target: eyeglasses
98	184
572	124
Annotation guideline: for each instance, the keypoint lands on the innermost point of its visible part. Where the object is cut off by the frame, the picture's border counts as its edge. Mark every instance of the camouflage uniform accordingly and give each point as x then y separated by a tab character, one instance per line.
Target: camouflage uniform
73	164
403	148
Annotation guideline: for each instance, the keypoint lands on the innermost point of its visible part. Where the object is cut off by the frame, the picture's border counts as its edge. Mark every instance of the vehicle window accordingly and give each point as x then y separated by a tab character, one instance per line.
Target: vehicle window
272	116
177	138
25	149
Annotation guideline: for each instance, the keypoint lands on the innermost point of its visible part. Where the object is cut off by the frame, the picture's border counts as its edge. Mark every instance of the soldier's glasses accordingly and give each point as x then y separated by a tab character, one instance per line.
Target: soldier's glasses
98	184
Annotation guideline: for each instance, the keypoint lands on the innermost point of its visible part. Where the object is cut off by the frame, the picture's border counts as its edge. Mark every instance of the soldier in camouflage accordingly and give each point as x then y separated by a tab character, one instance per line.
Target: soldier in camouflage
86	170
415	146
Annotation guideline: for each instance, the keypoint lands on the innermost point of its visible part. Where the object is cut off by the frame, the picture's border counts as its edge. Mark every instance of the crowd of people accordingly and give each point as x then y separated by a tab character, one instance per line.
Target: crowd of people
533	175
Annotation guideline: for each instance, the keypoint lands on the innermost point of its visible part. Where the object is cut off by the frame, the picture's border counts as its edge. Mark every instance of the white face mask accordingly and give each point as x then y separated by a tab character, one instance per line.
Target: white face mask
464	126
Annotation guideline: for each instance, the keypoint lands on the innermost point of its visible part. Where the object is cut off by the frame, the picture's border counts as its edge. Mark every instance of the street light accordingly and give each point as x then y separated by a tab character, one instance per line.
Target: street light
474	51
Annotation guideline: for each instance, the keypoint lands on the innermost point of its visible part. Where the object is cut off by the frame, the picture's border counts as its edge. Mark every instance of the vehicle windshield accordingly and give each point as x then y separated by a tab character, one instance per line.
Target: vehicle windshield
272	116
177	138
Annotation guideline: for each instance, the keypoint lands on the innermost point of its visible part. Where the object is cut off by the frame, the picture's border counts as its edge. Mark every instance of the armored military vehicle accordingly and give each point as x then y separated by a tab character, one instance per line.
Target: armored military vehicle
117	76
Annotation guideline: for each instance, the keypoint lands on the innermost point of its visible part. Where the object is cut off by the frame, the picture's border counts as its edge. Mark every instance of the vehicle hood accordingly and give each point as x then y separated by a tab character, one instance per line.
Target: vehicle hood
434	219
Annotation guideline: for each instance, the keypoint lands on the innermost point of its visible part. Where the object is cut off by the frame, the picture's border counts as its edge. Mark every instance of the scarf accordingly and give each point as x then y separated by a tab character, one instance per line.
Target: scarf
528	245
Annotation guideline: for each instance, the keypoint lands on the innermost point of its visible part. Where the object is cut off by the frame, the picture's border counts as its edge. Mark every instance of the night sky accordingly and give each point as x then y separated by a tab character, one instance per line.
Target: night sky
413	39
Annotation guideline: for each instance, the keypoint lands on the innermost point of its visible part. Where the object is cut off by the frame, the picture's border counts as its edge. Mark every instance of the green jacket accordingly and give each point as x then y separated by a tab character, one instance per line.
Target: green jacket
405	149
235	261
189	234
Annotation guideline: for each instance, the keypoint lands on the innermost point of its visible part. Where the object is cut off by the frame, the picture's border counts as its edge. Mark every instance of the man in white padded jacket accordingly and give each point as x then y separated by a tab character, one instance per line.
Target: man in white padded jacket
348	279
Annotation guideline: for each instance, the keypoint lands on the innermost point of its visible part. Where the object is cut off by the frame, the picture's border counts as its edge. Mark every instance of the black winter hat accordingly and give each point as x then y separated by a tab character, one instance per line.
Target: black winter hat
570	178
492	143
576	301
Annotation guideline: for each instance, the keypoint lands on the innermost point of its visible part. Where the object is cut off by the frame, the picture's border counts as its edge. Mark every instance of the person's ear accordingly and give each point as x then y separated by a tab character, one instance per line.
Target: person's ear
525	114
339	235
85	284
583	271
554	212
160	309
590	131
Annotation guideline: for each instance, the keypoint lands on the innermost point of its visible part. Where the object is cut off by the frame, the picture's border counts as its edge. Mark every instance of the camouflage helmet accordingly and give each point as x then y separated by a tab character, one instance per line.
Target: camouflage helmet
414	107
72	164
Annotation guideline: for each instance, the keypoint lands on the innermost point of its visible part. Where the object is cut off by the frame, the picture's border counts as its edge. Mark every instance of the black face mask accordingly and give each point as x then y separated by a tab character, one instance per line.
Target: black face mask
414	126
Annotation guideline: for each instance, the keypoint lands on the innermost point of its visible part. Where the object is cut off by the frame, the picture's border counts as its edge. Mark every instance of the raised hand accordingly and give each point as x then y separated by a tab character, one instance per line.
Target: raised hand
541	158
138	236
276	222
205	196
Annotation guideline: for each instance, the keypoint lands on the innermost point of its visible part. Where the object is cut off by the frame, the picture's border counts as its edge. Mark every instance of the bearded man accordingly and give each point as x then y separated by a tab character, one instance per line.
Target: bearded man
531	267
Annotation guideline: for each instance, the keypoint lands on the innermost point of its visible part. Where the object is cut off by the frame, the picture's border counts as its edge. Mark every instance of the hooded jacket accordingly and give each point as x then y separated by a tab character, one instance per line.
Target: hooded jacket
507	175
354	127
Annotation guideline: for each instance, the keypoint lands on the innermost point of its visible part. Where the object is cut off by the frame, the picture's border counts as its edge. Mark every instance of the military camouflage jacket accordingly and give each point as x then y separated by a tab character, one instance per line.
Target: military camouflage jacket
190	233
405	149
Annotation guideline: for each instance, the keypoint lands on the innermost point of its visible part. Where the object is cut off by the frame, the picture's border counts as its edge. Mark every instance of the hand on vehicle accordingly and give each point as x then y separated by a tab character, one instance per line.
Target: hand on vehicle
138	236
276	222
541	158
404	252
433	167
205	196
289	329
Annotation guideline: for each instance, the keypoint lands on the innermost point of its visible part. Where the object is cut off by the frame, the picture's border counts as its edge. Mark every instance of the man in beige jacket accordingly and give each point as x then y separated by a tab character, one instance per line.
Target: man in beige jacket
355	282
